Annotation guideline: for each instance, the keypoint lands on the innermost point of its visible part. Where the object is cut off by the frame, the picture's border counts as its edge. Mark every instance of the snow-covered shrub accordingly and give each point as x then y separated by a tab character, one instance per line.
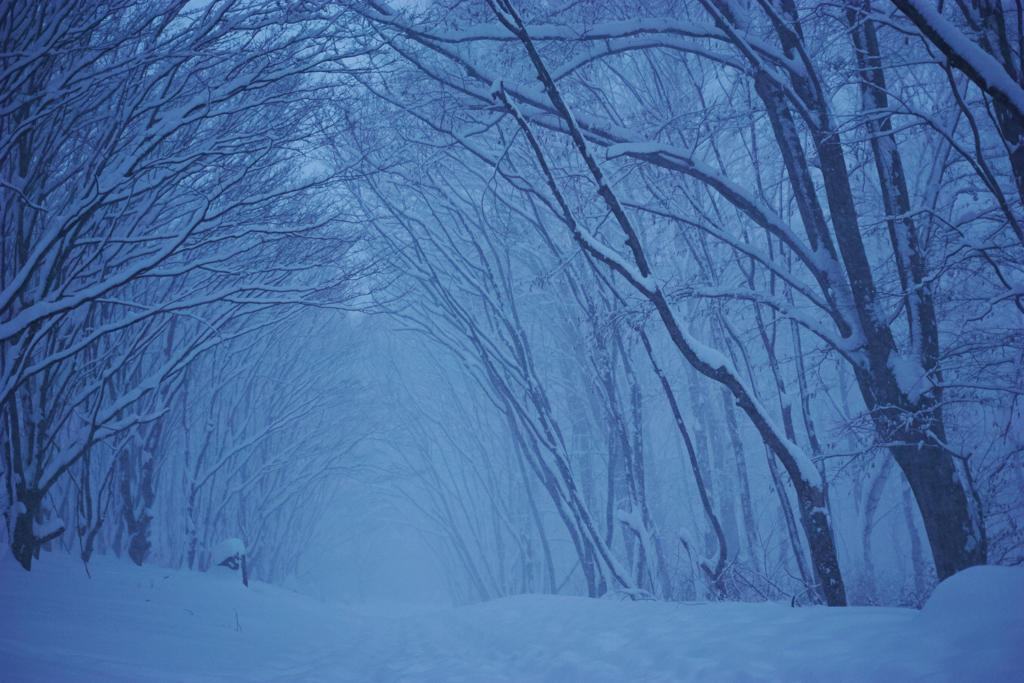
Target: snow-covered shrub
230	553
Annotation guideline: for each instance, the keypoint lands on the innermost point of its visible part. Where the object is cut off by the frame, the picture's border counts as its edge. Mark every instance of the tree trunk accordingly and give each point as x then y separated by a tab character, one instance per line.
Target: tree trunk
956	537
715	575
870	508
746	505
916	554
955	528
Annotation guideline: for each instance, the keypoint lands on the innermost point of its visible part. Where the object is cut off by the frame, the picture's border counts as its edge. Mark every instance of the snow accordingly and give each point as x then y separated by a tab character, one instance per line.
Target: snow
910	376
150	624
984	64
977	594
231	547
46	528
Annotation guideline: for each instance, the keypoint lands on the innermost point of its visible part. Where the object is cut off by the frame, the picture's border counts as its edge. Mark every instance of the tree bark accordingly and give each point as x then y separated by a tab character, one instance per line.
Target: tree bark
955	531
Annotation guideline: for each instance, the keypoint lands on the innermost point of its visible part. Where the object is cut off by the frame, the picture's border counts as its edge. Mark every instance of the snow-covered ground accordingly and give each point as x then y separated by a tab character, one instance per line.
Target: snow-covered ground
149	624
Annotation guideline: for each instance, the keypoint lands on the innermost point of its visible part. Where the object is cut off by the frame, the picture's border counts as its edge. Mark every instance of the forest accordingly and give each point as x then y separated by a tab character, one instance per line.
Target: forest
672	300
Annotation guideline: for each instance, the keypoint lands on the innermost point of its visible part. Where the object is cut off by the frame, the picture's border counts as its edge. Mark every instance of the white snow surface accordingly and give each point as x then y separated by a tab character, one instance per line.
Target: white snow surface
150	624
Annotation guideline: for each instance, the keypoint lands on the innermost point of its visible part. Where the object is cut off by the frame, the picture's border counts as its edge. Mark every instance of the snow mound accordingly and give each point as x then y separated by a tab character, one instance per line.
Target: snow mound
979	611
229	547
154	625
991	595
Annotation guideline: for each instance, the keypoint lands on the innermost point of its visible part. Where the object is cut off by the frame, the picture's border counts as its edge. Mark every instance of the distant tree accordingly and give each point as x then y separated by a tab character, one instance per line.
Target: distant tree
152	185
265	422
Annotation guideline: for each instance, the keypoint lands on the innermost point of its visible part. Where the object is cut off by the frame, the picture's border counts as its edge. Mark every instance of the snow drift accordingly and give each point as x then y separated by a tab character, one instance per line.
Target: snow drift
150	624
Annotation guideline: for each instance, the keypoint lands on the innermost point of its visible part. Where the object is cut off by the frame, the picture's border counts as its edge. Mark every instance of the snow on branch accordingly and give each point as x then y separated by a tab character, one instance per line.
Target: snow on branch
981	67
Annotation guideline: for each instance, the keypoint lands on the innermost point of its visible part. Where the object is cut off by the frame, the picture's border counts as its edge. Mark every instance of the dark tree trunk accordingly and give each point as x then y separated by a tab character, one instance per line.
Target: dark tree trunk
958	532
139	546
136	508
955	528
916	553
956	539
25	544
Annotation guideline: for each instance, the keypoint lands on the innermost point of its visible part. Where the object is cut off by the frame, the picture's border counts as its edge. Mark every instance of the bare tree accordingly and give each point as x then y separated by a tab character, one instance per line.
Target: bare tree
151	172
717	101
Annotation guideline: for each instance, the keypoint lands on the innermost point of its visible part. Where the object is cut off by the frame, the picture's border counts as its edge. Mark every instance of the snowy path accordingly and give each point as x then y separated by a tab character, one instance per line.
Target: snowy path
149	624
